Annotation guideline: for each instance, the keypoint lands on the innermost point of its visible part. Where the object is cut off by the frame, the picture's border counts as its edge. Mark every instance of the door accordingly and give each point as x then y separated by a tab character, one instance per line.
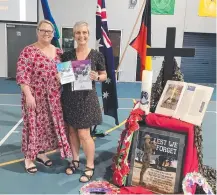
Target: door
202	67
18	37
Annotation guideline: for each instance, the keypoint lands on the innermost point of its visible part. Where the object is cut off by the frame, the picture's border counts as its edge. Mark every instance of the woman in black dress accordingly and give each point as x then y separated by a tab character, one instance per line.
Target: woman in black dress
81	108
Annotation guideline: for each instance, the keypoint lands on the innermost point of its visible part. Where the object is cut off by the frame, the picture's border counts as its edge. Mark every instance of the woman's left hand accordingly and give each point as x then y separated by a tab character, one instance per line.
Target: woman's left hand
93	75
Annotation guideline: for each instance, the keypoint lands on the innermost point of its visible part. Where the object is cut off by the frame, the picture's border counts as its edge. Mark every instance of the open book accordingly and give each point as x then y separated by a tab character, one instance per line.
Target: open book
185	101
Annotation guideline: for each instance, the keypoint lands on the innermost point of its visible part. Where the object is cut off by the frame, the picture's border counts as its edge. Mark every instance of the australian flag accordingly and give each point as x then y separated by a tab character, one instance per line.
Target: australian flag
104	45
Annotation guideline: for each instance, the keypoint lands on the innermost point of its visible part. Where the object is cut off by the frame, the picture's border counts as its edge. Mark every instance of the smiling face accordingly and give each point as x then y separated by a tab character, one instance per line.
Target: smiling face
81	35
45	33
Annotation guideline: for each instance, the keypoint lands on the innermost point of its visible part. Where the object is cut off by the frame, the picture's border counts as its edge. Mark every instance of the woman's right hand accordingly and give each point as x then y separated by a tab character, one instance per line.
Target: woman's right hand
30	102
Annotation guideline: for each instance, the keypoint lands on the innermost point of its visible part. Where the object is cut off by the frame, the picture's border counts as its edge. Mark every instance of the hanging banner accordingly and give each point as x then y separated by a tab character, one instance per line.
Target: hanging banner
207	8
162	7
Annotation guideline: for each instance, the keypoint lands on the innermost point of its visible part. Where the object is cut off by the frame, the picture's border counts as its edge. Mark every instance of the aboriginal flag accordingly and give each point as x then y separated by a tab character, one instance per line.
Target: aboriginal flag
143	41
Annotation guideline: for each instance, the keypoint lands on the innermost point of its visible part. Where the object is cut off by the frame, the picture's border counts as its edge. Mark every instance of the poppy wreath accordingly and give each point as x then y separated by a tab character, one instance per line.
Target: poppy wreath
99	187
120	164
195	178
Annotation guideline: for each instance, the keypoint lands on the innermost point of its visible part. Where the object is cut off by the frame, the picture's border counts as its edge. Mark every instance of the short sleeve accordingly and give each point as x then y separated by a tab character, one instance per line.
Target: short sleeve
24	68
100	66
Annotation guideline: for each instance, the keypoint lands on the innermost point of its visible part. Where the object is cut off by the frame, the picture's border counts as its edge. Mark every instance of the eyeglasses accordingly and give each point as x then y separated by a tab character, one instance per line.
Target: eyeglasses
45	31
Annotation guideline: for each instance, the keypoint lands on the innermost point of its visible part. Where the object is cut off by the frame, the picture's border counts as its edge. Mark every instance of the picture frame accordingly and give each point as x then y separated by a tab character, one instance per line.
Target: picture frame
164	173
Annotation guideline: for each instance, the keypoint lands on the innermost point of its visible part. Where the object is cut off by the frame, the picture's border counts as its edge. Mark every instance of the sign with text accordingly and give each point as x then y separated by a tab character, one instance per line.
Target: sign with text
158	169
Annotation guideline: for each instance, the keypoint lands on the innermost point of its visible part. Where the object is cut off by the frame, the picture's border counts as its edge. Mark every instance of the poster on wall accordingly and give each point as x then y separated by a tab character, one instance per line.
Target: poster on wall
162	7
207	8
159	170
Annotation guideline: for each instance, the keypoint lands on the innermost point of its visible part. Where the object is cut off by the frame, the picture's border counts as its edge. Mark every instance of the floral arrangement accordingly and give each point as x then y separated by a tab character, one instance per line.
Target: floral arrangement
195	178
120	164
99	187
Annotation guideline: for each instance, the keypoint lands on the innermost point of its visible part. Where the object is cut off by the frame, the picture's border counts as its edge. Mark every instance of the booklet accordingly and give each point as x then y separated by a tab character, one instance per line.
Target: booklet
82	69
185	101
65	72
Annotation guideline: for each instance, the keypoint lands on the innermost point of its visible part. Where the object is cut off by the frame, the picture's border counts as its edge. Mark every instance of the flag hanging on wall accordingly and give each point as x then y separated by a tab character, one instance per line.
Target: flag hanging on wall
109	90
48	16
162	7
143	40
207	8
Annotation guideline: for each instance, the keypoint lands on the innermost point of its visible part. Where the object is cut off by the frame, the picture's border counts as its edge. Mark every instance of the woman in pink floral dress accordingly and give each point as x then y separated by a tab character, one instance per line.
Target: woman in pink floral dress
41	106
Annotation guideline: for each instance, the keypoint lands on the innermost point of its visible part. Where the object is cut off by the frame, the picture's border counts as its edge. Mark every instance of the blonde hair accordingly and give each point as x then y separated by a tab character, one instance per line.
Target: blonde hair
45	22
79	24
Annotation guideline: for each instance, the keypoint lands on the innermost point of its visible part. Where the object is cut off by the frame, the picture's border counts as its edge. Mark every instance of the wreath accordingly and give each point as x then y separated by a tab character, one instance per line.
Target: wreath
120	164
99	187
195	178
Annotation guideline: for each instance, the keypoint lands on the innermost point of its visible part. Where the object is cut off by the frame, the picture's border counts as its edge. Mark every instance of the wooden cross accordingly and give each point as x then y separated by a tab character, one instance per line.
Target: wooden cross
169	53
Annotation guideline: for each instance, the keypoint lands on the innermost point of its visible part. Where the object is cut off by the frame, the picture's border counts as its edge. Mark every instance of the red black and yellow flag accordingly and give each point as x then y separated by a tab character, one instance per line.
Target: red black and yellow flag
143	40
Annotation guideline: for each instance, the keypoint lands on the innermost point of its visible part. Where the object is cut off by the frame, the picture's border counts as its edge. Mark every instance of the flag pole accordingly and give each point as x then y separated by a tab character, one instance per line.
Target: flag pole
128	42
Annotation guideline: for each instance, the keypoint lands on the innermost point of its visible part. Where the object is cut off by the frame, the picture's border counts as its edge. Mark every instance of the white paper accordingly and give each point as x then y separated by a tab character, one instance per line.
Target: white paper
82	85
198	106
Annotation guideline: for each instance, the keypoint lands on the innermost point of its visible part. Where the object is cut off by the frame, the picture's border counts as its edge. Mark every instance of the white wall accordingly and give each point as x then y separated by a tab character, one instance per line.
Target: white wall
67	12
194	23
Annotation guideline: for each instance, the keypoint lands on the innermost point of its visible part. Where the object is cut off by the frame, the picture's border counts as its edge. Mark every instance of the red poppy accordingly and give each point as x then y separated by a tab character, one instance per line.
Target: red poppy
124	155
117	178
127	145
138	111
133	127
124	169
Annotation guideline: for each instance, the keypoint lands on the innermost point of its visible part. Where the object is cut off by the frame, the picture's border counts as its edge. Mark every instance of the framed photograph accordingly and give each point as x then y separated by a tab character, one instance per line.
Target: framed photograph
67	38
156	159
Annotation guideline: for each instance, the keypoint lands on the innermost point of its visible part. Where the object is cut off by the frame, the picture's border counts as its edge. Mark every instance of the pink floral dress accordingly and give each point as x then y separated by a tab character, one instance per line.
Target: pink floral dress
44	128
